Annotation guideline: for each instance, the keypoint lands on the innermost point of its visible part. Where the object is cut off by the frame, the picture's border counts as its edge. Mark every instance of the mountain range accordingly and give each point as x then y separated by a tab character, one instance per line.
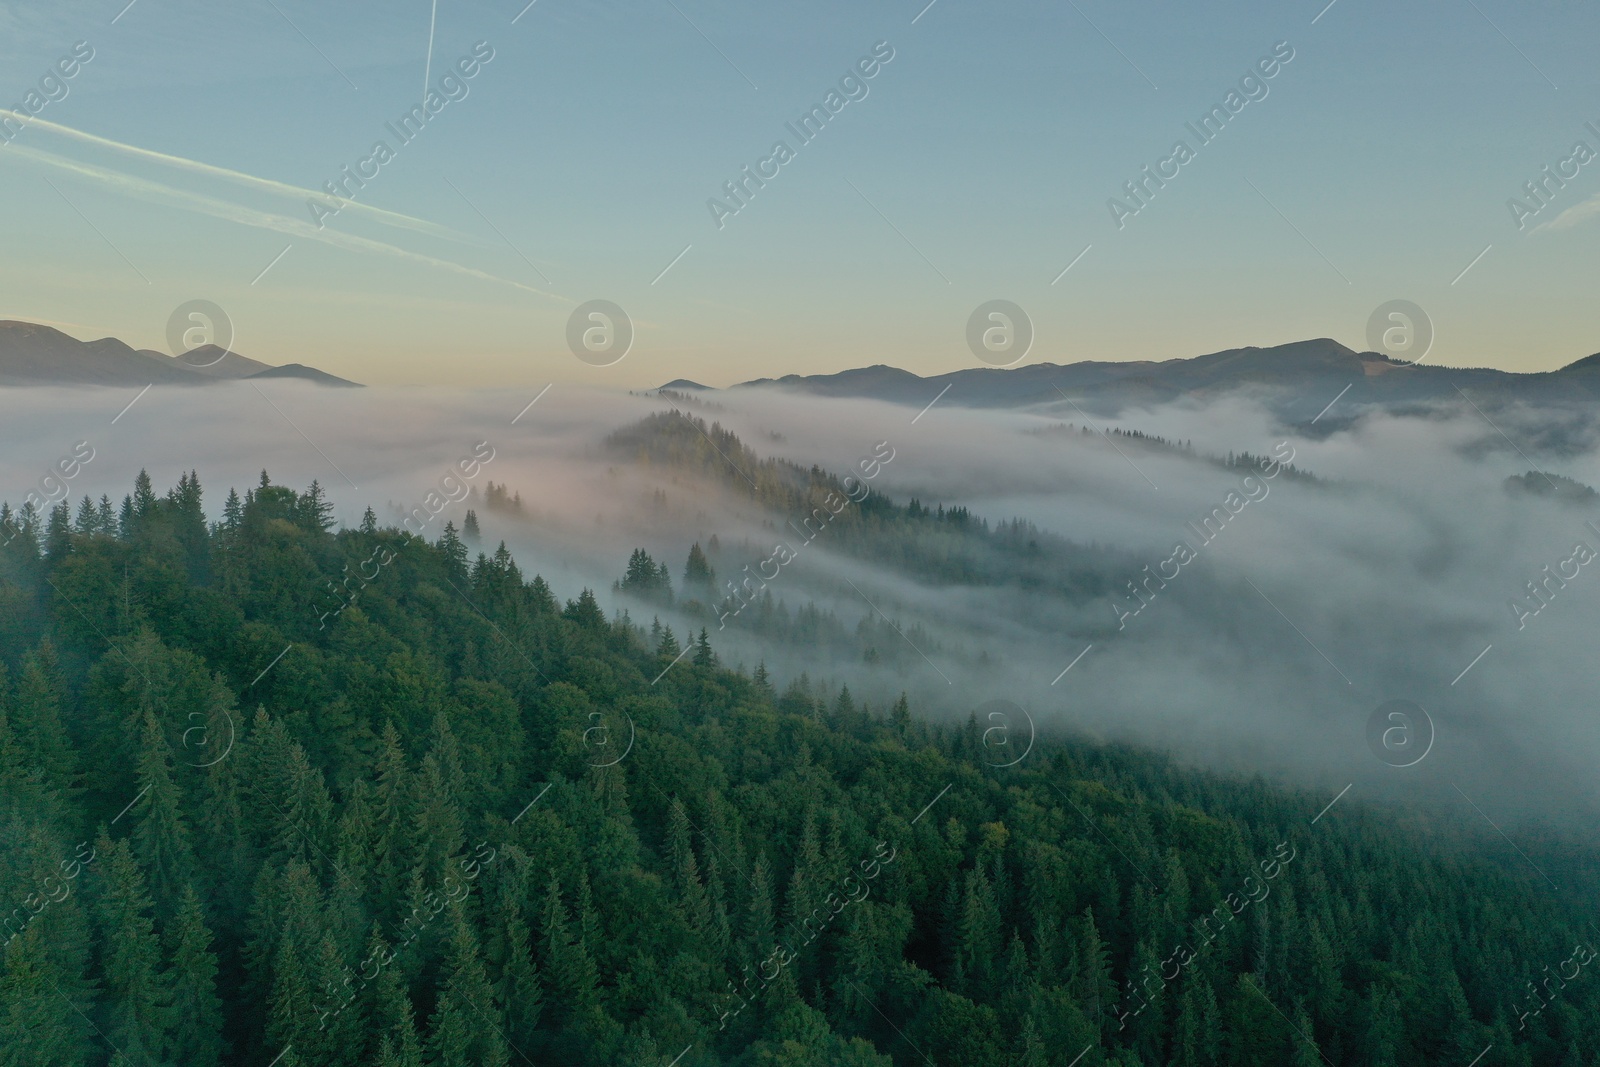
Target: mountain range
1298	380
32	354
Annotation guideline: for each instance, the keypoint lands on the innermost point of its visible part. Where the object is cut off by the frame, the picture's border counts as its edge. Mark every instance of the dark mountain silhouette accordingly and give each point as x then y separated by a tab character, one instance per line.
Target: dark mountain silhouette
33	354
1297	379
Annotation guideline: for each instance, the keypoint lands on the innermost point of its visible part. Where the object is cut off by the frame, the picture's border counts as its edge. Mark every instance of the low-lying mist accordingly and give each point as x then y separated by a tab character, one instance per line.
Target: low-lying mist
1259	617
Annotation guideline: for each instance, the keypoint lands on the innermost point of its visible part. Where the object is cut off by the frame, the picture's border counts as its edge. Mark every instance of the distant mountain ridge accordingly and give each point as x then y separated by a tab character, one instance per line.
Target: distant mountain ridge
34	354
1304	375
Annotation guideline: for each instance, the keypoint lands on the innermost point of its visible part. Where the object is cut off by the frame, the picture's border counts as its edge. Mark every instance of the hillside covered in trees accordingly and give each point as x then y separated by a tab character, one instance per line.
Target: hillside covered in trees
276	794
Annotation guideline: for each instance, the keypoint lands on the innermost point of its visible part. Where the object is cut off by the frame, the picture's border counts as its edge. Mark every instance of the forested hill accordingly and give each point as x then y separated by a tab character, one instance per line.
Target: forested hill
933	544
440	817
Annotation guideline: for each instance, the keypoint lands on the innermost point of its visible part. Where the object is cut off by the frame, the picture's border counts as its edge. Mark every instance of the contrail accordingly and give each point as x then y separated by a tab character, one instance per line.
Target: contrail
393	218
245	216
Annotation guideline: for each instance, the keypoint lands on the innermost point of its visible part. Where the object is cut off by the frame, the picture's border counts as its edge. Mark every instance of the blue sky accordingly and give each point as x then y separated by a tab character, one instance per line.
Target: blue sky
979	165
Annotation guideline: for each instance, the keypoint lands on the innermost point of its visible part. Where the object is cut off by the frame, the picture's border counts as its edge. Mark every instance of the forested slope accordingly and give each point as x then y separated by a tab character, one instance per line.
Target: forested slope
440	817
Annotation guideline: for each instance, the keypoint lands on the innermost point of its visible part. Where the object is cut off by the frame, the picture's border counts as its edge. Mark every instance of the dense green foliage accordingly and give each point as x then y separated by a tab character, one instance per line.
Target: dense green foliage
432	815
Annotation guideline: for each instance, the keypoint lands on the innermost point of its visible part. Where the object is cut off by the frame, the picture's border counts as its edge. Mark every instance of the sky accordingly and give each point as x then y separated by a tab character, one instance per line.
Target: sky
577	163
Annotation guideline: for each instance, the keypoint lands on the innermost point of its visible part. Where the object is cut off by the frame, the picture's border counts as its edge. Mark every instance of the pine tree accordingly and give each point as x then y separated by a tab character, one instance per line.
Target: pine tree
138	1001
314	509
519	989
197	1040
460	1037
36	720
703	656
573	977
698	577
469	528
161	838
38	1023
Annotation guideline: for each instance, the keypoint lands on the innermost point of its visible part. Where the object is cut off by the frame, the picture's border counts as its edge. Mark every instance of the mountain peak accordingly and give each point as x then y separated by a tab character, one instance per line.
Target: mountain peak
32	353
